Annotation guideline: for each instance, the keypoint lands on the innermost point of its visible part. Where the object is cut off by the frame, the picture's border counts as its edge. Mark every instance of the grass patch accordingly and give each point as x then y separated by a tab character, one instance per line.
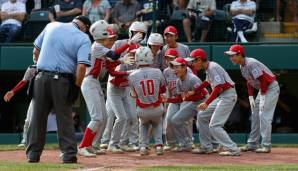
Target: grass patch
12	166
290	167
13	147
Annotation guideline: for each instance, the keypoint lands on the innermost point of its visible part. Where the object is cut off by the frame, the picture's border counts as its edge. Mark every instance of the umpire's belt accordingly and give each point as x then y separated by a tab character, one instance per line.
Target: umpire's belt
56	74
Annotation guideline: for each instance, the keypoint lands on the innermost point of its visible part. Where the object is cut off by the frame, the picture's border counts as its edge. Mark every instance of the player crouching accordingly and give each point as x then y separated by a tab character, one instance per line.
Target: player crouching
147	85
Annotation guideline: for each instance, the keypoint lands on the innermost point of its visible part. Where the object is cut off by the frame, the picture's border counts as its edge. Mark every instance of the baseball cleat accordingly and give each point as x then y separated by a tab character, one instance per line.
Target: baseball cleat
21	145
84	152
168	147
127	148
202	151
96	151
230	153
159	150
247	148
182	149
104	146
115	149
263	150
135	147
144	151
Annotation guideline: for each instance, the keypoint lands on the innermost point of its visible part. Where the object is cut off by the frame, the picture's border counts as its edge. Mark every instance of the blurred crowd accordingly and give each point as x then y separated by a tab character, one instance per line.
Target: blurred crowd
198	20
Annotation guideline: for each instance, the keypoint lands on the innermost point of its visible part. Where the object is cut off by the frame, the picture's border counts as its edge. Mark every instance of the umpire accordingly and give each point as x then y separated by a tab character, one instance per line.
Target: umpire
62	52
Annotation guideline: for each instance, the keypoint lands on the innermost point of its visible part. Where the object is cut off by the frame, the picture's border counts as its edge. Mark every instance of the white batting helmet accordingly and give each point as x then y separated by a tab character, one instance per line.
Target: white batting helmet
144	56
99	30
137	26
155	39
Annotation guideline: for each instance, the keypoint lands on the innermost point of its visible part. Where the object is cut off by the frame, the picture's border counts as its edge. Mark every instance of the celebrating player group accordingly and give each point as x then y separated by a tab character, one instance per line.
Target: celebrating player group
153	91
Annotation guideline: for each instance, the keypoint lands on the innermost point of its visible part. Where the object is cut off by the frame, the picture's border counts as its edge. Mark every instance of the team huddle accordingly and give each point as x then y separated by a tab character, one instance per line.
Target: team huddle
154	91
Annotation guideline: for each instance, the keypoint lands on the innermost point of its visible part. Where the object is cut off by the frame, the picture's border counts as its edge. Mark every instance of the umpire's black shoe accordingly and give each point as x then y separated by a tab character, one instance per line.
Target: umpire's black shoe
71	160
33	160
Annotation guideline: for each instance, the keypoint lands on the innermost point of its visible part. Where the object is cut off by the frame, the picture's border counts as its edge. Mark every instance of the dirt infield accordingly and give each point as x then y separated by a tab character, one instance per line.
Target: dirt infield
131	161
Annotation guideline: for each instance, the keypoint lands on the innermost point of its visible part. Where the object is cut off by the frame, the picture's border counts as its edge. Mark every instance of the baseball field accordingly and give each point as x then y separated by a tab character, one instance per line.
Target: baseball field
282	158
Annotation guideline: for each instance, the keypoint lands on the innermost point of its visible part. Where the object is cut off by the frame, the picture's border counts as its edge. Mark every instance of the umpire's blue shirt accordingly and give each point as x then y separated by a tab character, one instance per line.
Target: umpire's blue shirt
62	46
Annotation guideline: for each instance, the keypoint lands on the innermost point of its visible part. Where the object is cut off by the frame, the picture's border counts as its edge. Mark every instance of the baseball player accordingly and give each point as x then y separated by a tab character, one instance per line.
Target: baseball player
214	112
117	102
172	108
147	84
28	76
128	144
117	91
155	43
170	35
91	88
258	76
185	83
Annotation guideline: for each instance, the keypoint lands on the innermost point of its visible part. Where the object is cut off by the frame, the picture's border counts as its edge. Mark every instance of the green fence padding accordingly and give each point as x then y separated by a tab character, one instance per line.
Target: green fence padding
16	57
273	56
10	138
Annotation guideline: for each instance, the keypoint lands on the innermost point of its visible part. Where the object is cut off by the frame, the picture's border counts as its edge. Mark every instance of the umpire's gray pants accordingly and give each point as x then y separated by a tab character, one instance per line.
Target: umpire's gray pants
50	93
261	123
211	121
150	116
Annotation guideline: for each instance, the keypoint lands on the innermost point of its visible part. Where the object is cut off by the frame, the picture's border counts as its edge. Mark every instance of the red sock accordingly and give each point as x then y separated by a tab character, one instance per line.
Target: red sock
88	138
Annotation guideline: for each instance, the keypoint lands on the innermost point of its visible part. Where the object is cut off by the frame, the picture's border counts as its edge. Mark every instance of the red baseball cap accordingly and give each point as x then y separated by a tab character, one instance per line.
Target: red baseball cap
171	52
179	61
197	53
133	47
235	49
171	30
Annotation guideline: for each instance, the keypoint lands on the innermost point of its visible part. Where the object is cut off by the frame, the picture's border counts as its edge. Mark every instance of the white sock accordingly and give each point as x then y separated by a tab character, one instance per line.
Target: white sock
241	36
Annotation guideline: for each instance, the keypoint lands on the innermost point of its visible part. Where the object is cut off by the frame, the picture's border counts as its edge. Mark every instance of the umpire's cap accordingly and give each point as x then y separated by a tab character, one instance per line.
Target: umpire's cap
85	20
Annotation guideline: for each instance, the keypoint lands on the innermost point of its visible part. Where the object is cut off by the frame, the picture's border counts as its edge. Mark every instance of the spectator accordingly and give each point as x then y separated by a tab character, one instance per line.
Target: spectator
65	10
243	14
180	4
124	13
12	16
97	10
286	10
146	12
199	17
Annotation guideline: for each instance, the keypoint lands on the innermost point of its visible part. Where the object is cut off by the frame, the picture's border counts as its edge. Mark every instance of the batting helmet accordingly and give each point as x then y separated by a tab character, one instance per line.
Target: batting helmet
144	56
137	26
155	39
99	30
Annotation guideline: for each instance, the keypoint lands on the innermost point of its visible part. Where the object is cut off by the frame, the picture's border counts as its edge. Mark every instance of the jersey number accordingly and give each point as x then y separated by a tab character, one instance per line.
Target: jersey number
147	87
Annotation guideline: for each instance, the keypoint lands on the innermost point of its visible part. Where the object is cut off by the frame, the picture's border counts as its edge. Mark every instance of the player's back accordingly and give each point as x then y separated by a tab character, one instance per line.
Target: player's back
147	83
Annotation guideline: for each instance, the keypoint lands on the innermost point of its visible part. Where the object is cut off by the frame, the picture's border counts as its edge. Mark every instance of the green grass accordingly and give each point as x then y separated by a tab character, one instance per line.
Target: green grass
13	147
37	166
290	167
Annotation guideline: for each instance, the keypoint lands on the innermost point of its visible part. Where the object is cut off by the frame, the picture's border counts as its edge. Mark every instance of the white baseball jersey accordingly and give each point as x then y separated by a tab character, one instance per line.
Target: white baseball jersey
30	73
216	75
98	54
190	83
252	70
159	62
147	83
183	50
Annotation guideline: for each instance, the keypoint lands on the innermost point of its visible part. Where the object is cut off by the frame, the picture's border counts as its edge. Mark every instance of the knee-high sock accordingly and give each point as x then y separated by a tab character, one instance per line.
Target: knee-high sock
88	138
